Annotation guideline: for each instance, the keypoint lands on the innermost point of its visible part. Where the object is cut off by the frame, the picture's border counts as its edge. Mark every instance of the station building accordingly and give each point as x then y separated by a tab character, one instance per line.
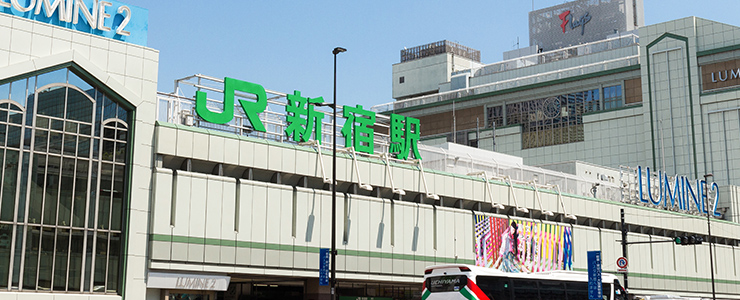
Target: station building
112	190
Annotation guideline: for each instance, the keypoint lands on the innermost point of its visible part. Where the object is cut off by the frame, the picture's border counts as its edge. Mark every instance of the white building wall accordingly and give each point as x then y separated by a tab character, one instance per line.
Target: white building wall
281	227
127	69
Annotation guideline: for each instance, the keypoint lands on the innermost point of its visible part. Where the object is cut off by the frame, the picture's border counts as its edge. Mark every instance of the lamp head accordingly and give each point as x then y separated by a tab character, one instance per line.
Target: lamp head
338	50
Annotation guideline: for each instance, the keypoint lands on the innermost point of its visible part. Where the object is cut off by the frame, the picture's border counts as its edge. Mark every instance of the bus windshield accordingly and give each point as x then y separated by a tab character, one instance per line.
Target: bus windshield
449	283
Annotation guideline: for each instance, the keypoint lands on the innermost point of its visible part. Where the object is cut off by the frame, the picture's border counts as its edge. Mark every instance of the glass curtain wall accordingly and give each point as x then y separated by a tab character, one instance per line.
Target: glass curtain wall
63	146
554	120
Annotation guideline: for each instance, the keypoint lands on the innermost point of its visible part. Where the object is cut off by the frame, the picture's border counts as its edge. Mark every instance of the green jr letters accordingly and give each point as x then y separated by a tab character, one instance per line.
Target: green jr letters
251	109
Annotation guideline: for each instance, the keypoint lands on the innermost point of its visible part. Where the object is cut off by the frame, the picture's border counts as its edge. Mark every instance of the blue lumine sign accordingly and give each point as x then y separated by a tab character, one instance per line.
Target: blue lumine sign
678	193
109	19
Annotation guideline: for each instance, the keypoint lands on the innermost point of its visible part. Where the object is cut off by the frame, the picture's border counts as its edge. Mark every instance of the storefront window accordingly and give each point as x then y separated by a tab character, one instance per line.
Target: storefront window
63	190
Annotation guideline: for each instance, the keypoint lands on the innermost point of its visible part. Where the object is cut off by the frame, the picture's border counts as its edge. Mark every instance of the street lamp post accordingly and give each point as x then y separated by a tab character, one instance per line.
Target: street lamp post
336	51
709	232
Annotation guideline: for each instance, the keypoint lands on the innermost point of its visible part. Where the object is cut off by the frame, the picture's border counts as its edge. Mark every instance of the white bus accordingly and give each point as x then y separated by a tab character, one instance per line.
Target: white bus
458	281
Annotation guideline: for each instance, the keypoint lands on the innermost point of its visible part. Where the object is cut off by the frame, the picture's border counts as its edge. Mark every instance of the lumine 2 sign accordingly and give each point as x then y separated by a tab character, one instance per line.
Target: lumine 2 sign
681	195
109	19
303	120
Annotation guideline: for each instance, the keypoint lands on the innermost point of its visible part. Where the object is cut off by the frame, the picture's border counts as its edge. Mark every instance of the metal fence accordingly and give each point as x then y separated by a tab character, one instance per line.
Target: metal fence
559	54
440	47
596	47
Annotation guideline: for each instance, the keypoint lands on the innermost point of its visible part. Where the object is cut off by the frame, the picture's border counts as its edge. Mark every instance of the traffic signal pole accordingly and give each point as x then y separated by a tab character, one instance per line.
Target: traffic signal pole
679	240
624	246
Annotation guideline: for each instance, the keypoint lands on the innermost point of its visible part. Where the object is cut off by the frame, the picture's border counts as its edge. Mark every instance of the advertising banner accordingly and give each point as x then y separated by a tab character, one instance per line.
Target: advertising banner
522	246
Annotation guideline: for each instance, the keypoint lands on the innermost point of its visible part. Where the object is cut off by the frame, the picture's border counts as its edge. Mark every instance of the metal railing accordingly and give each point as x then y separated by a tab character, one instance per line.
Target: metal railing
179	109
551	56
511	83
559	54
440	47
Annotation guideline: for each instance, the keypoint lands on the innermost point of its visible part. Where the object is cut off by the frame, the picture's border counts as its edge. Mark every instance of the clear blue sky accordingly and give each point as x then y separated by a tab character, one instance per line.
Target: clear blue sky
286	45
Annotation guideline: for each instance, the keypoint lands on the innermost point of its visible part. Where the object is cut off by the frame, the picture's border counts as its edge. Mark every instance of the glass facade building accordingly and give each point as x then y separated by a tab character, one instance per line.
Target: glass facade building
63	145
555	120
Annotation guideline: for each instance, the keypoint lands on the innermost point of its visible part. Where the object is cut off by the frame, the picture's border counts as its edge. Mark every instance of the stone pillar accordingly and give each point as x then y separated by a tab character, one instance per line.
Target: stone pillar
316	292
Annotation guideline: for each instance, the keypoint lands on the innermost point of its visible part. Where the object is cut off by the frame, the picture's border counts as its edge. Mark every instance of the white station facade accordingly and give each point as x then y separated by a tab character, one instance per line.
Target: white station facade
113	190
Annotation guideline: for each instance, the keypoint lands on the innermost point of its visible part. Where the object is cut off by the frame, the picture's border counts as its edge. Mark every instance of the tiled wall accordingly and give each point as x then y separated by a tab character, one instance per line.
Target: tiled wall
610	139
129	70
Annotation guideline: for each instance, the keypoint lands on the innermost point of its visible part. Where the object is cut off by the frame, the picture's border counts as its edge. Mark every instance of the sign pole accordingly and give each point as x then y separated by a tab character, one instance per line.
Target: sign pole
624	246
333	280
709	232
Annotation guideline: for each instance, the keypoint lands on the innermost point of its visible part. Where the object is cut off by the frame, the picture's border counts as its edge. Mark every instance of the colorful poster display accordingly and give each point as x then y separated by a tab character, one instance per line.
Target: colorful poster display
522	246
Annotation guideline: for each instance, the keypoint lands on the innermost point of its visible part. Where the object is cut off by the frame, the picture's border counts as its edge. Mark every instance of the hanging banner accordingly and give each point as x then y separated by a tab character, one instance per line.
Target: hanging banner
324	259
522	246
594	275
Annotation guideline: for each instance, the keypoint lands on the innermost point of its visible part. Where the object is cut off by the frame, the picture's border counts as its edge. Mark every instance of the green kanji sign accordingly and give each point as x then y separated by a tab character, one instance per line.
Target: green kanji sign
303	120
404	134
357	130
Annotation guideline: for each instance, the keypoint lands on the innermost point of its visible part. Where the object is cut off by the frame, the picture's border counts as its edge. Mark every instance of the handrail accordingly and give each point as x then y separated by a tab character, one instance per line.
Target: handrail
314	143
424	180
351	151
533	182
488	189
386	161
560	199
513	196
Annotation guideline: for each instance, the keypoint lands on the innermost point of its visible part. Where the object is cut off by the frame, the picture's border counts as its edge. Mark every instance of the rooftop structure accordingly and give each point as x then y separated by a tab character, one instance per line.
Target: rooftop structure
440	47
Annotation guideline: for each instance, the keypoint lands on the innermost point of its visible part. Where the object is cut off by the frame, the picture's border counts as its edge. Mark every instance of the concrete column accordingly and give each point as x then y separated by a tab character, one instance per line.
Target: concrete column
316	292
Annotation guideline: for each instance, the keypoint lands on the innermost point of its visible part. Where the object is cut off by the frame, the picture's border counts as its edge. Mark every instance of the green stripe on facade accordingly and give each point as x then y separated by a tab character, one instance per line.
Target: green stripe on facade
717	50
304	249
724	90
160	238
669	277
630	106
691	98
432	259
129	188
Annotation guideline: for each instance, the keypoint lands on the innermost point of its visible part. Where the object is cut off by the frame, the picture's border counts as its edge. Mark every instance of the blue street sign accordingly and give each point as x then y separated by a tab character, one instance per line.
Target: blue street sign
594	275
324	255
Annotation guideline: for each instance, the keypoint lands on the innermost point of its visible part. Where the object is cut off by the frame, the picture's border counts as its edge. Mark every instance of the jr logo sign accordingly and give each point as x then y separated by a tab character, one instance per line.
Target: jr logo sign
251	109
303	121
